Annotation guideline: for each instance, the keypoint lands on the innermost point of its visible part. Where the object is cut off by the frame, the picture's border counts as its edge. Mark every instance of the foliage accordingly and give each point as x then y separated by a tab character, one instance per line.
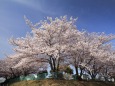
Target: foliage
68	70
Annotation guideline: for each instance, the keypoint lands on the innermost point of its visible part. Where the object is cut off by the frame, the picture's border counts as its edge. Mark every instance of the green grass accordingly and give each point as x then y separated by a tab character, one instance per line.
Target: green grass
51	82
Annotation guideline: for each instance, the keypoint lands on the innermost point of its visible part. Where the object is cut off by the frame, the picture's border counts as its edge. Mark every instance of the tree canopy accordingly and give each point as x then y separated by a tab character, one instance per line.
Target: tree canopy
58	43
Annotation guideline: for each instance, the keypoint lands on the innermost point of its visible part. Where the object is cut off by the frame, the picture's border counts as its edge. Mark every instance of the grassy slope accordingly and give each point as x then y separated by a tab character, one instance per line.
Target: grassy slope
48	82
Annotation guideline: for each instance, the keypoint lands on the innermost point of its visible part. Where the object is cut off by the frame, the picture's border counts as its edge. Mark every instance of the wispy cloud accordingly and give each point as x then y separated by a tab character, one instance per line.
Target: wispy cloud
36	6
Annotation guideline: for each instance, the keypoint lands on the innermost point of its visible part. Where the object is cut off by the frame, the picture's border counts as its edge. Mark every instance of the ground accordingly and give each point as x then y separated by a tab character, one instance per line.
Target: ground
50	82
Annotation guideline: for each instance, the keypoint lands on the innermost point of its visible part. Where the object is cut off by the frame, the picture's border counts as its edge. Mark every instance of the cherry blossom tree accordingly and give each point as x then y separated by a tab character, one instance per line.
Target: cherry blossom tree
58	42
17	64
49	39
87	50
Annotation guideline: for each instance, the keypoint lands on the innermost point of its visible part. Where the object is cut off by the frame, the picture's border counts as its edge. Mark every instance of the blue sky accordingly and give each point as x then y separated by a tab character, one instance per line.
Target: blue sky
93	16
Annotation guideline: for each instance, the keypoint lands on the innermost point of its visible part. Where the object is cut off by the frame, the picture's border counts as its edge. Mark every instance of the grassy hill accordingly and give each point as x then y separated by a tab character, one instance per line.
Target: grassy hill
49	82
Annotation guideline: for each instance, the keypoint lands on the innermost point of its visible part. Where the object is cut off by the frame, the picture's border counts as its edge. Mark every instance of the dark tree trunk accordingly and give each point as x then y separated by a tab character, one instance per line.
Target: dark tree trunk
76	69
77	74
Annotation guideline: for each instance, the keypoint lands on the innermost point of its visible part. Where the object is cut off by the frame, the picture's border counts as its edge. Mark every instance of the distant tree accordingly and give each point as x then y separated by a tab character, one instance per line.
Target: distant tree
16	65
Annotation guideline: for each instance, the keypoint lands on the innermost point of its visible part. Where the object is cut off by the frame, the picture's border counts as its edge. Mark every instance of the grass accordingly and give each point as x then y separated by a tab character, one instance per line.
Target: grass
51	82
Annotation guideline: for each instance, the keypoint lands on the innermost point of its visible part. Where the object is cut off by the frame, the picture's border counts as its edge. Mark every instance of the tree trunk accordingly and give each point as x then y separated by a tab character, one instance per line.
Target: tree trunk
81	72
51	65
76	69
77	74
93	77
54	65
